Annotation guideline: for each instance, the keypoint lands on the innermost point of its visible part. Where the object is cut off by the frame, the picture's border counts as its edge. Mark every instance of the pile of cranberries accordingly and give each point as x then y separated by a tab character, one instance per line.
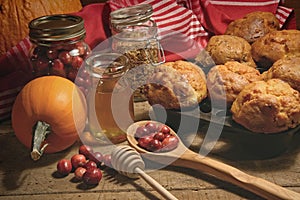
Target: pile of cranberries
61	60
85	165
156	137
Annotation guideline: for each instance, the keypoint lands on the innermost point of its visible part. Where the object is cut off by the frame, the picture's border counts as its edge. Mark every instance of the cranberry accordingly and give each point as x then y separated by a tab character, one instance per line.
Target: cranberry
64	167
97	157
78	160
52	53
79	173
76	62
58	68
154	145
80	81
107	160
41	64
72	74
144	141
65	57
151	127
85	150
81	48
165	129
141	131
90	164
84	73
159	136
170	143
92	176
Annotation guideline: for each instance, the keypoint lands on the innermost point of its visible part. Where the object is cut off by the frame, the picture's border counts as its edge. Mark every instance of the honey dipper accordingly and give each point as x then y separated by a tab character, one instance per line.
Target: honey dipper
127	161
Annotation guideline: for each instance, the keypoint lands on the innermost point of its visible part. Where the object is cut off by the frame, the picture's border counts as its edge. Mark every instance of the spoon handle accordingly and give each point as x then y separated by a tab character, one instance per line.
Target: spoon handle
233	175
154	184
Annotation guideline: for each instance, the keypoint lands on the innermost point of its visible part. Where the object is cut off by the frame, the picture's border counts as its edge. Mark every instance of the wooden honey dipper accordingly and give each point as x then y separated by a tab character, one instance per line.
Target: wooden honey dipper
127	161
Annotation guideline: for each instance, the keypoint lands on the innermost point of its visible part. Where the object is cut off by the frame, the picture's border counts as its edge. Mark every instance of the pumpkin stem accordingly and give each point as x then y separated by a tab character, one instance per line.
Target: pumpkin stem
39	135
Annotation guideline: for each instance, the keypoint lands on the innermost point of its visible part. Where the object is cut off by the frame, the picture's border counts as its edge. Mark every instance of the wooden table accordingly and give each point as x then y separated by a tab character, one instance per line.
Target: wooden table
22	178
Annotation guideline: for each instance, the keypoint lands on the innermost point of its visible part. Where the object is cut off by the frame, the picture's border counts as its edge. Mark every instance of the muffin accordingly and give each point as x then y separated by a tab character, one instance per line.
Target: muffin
286	69
268	107
223	48
176	85
225	82
274	46
253	25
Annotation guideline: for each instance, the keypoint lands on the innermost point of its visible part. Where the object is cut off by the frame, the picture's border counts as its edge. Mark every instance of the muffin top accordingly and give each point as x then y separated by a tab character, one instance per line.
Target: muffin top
268	106
225	82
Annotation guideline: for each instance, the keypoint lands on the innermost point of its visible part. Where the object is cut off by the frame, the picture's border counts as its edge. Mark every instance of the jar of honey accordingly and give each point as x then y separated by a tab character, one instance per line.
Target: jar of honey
58	46
110	99
135	34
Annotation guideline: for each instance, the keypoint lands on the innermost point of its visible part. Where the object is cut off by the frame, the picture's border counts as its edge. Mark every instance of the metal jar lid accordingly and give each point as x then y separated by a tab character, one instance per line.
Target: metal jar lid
131	15
56	28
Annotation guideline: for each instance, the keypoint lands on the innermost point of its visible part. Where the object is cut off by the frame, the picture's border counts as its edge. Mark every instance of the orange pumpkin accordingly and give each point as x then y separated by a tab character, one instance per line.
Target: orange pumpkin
48	114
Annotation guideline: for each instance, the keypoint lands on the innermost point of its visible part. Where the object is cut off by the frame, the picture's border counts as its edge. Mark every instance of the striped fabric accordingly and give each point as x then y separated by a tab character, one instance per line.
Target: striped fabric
196	20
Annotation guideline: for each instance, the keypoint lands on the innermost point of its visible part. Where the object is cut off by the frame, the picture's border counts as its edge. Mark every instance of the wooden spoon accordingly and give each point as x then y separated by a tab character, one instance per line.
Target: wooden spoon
183	157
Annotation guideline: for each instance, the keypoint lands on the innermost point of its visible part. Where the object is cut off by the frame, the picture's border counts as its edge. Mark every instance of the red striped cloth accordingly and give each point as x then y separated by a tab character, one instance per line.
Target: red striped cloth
185	21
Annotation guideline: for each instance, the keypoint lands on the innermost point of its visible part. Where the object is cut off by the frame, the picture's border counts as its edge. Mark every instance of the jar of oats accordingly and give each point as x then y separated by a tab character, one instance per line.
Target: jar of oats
135	35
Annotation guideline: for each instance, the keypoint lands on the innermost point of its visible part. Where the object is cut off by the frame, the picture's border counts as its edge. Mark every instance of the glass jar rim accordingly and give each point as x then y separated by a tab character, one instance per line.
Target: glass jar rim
114	65
131	15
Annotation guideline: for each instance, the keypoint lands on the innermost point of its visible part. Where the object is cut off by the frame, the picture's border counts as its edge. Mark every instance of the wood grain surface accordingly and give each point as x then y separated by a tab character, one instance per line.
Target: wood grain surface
22	178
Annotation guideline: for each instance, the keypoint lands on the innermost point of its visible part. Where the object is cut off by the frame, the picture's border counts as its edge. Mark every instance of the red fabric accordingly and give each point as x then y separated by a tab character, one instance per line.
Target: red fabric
185	26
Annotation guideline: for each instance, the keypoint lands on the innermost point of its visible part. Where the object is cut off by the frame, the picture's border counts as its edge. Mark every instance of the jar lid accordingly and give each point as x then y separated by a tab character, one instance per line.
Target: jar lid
132	14
56	28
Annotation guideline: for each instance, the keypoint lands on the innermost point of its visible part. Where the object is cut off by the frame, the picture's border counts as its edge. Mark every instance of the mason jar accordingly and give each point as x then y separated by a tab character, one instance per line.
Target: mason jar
110	98
135	34
58	46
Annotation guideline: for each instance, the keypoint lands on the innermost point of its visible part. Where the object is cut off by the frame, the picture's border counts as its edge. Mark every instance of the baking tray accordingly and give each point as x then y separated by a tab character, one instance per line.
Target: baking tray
257	144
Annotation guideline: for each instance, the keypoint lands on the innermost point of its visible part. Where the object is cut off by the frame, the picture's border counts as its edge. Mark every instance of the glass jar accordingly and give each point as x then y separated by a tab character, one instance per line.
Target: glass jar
110	99
58	46
135	35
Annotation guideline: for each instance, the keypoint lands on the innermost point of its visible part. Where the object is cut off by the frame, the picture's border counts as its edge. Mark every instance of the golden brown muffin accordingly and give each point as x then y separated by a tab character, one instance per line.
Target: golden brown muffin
225	82
253	25
286	69
223	48
176	85
274	46
268	106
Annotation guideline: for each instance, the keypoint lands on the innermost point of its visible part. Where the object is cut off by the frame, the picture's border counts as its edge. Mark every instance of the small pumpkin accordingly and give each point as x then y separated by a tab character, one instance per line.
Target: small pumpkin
48	114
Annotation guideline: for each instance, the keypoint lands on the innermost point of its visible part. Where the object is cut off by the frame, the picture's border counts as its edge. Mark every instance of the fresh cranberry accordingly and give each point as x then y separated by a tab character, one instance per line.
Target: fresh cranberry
81	48
85	150
154	145
64	167
90	164
92	176
41	64
107	160
79	173
65	57
160	136
76	62
78	160
52	53
165	129
141	131
72	74
144	141
151	127
170	143
97	157
58	68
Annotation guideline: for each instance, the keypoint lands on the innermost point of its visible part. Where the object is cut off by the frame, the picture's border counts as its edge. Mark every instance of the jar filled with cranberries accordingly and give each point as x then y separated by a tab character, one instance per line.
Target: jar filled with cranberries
58	46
